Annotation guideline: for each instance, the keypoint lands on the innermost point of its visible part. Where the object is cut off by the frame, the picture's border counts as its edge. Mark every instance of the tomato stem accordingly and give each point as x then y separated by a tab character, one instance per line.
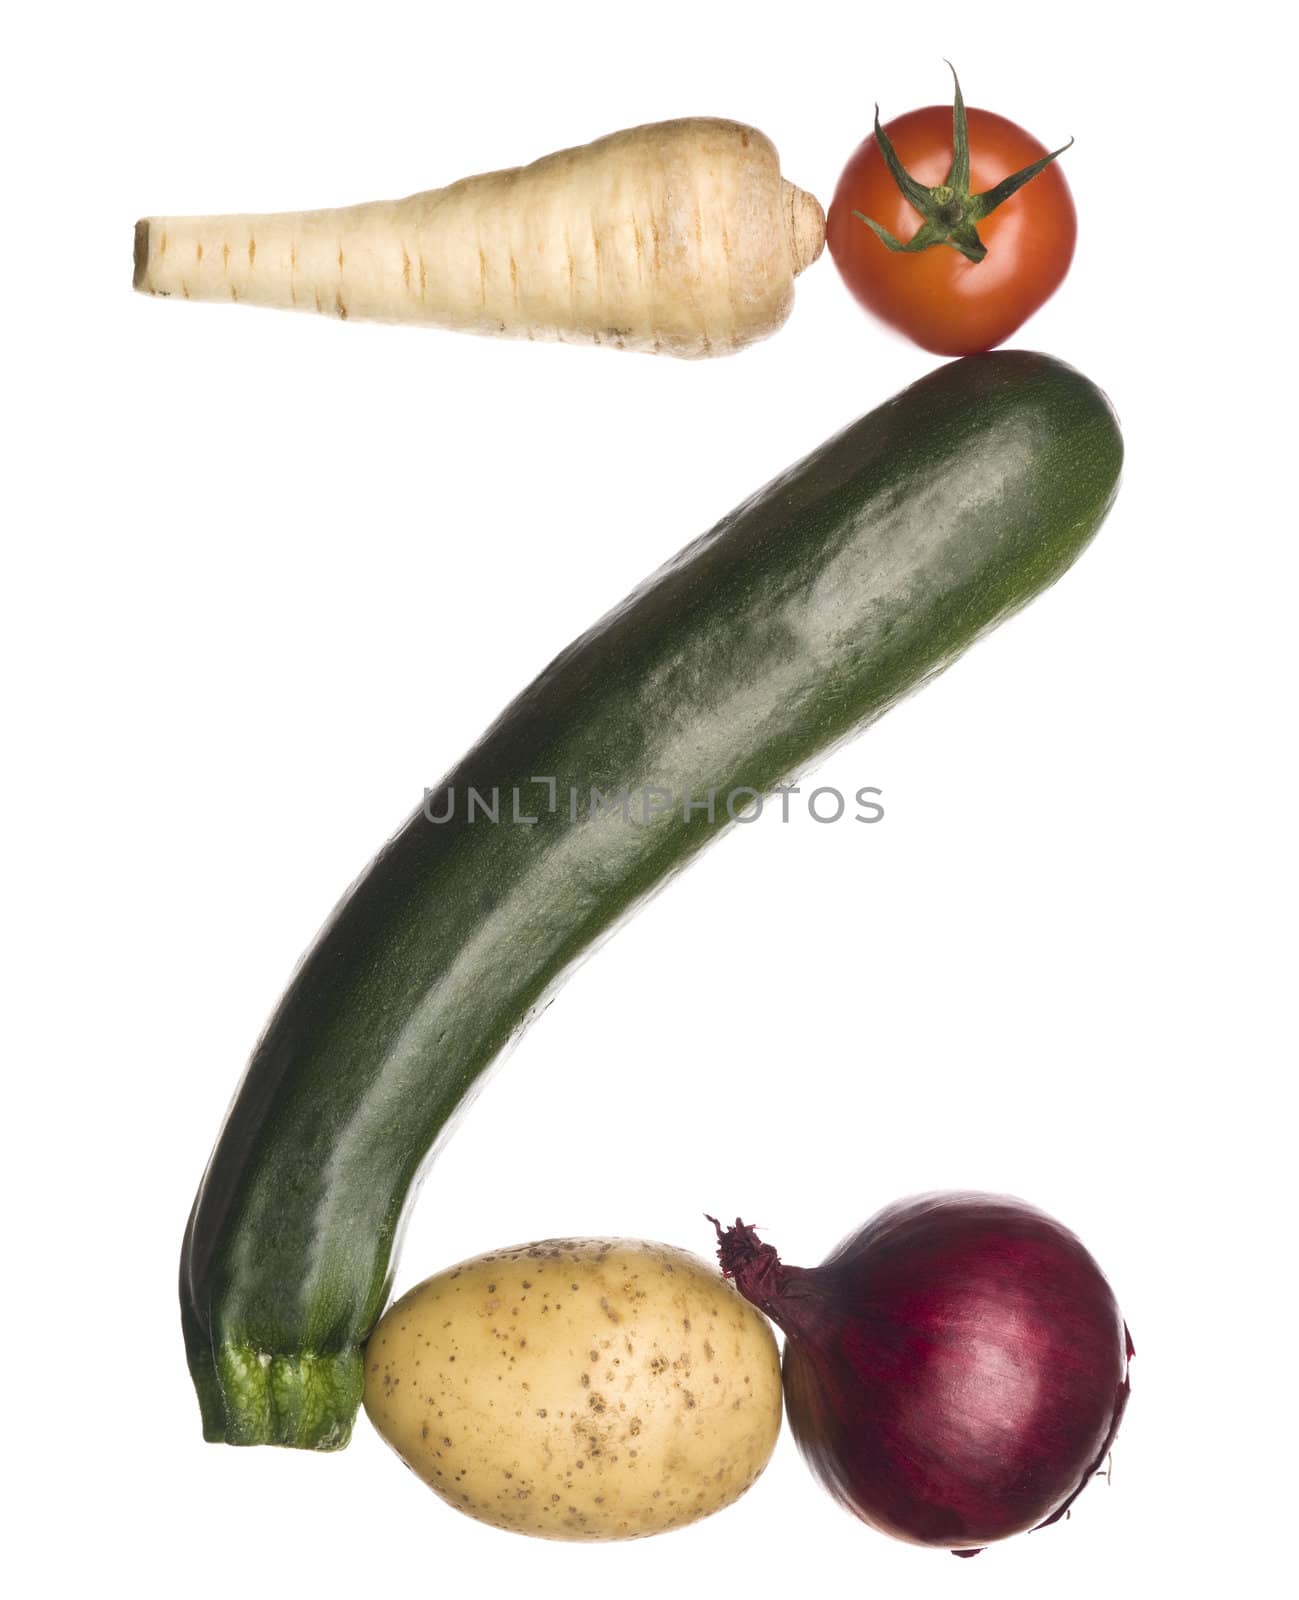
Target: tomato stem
949	212
958	177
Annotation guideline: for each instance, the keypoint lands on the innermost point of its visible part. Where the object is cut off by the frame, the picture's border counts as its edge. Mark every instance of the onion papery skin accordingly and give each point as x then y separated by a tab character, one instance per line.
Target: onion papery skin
955	1372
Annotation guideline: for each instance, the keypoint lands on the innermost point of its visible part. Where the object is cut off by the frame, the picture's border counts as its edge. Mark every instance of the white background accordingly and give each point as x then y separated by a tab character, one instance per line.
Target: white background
267	576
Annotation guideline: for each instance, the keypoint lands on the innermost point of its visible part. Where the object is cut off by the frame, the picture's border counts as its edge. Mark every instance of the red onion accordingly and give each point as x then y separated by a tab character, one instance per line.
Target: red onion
954	1373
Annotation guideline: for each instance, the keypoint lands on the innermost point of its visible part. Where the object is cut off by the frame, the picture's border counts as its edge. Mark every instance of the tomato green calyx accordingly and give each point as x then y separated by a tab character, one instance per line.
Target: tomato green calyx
949	213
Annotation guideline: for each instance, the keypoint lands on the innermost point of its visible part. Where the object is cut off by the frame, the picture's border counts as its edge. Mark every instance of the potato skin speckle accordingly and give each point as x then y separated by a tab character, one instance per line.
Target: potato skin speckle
578	1388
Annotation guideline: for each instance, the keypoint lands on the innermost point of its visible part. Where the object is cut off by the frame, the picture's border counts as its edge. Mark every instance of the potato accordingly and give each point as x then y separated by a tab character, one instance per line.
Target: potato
578	1388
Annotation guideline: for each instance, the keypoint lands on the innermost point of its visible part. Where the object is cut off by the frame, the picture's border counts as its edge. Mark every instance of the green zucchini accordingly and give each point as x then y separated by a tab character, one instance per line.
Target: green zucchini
803	615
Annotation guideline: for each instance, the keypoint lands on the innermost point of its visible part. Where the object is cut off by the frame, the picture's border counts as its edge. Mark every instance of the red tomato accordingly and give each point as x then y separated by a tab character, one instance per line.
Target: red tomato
937	297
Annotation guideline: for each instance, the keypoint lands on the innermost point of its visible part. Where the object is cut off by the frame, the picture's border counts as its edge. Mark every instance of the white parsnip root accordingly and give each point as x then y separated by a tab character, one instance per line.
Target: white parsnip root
677	237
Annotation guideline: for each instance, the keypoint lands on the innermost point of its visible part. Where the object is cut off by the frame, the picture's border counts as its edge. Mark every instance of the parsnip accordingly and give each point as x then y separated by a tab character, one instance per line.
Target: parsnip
677	237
